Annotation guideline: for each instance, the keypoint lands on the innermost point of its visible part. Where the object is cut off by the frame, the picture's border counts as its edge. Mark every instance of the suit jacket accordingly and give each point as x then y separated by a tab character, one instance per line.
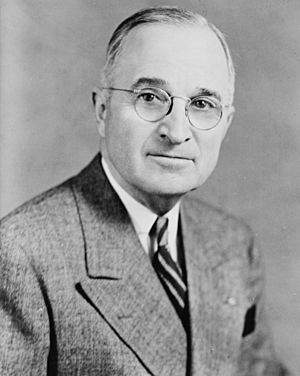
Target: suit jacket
79	295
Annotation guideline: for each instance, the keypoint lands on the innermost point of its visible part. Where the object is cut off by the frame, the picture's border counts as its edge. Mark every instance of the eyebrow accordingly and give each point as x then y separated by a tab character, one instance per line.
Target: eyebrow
163	84
149	81
208	93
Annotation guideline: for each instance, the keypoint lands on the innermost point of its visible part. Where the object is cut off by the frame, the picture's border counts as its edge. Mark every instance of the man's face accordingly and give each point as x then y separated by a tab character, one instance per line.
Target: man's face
168	157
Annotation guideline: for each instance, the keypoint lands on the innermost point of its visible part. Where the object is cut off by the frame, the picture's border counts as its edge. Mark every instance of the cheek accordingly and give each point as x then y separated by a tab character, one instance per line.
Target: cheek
118	142
126	138
209	147
208	142
118	130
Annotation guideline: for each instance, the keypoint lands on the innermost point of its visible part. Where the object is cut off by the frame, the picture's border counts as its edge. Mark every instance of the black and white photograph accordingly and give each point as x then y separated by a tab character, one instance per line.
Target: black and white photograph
149	188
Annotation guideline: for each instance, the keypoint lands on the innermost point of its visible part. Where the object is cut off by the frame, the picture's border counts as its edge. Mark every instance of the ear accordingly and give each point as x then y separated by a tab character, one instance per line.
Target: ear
100	106
229	115
228	119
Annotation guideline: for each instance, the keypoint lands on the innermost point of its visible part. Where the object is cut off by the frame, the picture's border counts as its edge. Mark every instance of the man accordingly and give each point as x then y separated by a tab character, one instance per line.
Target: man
114	272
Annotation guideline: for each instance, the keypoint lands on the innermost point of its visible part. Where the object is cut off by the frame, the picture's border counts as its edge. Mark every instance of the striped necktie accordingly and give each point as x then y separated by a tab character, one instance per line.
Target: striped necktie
168	271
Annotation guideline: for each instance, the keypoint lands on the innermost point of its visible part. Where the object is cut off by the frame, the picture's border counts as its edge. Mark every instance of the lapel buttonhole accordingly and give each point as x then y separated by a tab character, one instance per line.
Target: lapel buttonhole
231	301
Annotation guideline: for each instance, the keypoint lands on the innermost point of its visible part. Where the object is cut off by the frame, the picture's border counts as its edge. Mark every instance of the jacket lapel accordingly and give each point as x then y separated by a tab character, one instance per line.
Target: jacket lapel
120	281
216	298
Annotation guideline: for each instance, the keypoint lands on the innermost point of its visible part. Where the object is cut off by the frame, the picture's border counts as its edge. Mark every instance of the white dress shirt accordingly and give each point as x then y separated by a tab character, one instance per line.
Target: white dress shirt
143	218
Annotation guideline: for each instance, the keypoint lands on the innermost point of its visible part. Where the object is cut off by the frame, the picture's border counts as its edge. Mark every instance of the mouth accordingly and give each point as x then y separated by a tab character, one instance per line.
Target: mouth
170	159
171	156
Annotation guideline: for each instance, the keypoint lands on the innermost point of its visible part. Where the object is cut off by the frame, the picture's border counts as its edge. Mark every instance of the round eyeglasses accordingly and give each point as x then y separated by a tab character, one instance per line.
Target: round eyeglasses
153	104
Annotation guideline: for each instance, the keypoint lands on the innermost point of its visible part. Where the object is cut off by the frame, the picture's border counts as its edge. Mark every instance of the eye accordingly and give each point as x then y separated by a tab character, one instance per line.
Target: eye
203	104
151	97
148	97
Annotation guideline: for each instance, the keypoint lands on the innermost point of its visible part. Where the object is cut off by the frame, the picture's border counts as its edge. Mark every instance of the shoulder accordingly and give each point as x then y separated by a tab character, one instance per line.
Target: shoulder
34	234
213	218
37	212
52	208
222	233
50	221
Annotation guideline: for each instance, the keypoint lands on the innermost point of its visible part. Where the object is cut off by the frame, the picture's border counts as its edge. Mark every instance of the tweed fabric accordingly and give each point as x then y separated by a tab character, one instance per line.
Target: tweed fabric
80	297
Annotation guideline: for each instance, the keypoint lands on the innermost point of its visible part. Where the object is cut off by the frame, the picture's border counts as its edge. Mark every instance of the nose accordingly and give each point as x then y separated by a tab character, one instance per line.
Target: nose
175	125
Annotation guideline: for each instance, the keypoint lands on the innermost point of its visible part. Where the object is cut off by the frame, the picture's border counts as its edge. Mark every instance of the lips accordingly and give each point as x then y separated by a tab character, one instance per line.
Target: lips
171	156
171	161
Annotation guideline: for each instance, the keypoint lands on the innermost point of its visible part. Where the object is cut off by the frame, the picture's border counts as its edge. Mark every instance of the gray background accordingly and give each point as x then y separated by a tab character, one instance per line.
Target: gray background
52	51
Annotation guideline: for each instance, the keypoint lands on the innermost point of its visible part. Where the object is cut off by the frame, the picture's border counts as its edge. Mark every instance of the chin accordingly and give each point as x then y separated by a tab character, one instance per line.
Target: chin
171	188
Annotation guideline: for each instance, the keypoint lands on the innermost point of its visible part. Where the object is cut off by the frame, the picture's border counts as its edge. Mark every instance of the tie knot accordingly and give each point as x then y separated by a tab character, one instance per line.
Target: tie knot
161	231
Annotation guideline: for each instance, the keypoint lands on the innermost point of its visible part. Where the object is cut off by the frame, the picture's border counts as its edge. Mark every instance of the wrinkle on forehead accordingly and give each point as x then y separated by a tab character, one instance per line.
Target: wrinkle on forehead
181	52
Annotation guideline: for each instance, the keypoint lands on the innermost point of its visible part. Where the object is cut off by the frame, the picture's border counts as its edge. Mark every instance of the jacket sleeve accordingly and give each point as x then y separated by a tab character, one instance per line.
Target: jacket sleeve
24	339
257	355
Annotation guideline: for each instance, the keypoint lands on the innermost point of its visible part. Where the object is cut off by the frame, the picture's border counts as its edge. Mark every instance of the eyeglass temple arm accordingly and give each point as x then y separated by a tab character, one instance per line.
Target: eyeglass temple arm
117	89
110	88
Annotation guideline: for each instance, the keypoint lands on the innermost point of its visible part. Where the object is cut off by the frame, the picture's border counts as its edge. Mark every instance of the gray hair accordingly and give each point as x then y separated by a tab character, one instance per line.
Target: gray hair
166	15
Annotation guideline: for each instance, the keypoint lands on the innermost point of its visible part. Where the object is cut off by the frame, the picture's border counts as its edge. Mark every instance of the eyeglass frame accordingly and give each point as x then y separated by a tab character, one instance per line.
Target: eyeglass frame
187	100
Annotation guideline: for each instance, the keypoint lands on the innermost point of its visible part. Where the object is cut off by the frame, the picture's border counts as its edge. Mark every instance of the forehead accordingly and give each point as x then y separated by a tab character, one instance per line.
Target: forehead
186	57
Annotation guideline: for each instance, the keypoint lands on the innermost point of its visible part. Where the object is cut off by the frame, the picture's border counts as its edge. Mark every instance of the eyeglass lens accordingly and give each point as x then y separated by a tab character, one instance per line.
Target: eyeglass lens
153	104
